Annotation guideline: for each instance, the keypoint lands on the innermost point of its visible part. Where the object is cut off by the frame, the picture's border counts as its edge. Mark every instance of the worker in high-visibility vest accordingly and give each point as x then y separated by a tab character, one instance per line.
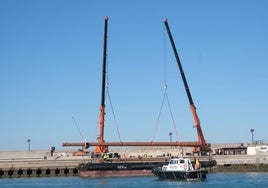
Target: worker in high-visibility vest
197	164
105	156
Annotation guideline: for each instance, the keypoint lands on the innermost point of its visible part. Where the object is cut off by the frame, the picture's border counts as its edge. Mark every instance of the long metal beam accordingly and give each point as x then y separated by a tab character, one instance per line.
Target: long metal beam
88	144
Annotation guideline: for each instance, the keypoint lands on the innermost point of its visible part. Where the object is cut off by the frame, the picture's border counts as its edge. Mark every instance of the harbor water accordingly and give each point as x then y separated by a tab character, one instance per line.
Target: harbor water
218	180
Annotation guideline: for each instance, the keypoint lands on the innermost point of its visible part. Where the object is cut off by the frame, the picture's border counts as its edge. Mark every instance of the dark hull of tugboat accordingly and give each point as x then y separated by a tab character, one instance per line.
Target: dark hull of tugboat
180	175
119	169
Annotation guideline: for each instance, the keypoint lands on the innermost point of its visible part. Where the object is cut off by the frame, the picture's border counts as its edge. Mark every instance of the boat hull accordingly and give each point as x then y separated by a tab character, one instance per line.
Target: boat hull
120	169
115	173
180	175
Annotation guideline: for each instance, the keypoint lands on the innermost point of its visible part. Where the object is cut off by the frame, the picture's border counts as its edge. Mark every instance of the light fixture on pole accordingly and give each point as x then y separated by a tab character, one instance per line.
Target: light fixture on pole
252	135
170	136
29	144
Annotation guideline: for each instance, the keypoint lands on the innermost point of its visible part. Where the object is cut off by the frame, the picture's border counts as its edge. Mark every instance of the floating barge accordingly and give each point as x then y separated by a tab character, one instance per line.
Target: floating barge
130	167
118	169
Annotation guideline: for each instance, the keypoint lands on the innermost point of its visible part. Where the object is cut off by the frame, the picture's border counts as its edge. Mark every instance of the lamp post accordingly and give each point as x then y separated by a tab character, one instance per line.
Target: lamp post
252	135
29	144
170	136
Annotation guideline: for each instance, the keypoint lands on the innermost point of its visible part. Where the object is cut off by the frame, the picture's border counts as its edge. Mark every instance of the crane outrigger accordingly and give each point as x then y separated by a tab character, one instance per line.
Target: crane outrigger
199	146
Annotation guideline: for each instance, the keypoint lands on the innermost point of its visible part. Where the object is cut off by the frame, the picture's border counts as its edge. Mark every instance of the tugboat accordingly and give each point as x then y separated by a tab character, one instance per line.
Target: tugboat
180	169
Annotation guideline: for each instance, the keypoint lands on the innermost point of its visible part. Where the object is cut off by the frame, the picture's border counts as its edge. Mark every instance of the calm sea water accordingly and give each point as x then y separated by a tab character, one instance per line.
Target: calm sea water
218	180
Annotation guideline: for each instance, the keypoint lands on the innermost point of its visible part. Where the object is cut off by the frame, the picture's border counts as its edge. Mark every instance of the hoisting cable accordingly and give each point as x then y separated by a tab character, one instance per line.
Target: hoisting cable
77	127
157	121
110	101
172	117
165	96
165	93
112	108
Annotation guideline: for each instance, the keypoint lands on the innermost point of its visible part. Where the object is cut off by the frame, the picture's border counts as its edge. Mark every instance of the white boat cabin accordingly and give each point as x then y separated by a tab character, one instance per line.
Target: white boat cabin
178	164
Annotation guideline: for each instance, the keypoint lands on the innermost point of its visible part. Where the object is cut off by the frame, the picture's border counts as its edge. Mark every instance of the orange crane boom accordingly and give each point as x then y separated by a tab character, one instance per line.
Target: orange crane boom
100	148
204	146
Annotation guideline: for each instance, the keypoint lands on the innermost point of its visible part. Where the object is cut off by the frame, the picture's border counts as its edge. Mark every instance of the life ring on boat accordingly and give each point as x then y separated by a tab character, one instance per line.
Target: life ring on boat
185	166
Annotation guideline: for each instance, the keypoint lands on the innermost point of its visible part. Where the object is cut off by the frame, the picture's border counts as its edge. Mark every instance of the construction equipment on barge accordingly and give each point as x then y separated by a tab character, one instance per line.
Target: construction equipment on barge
200	146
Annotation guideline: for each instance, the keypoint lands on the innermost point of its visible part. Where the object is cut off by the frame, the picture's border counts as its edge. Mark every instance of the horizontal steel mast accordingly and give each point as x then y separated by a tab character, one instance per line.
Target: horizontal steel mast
88	144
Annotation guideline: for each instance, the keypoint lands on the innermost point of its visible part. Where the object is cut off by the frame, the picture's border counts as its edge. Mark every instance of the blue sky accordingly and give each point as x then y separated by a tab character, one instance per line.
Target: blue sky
51	60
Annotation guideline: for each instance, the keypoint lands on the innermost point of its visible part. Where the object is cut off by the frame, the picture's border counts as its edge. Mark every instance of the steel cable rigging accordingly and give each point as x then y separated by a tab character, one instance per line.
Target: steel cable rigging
110	101
165	95
112	108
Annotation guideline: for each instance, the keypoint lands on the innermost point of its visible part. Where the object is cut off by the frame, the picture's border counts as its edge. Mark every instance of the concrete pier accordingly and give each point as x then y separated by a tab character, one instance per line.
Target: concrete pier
38	164
64	163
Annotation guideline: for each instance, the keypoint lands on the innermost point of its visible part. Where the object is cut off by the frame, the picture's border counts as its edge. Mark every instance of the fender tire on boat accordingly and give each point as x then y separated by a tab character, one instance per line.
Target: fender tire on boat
185	176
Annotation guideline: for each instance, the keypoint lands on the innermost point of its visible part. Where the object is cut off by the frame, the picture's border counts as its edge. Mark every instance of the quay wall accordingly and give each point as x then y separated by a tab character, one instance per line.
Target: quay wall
240	163
63	163
38	164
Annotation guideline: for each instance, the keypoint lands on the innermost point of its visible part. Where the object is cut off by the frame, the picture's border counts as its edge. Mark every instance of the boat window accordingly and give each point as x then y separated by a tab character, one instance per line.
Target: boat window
182	161
173	162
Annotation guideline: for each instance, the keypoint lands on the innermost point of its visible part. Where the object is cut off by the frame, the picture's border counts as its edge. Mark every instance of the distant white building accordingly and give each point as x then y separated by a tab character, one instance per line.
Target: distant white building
257	150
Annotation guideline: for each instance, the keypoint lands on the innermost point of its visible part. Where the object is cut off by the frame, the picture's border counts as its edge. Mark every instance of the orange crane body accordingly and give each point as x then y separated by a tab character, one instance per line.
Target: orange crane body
197	124
102	149
205	147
